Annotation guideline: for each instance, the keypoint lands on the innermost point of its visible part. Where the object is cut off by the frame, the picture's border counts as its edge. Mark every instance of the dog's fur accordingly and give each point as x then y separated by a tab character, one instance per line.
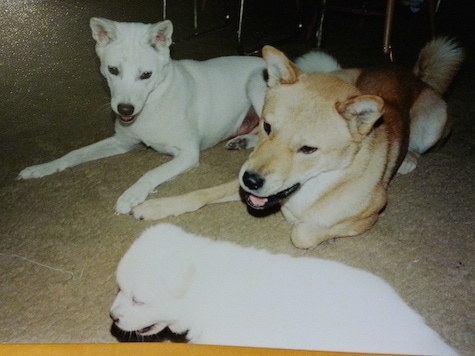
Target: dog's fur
329	143
174	107
223	294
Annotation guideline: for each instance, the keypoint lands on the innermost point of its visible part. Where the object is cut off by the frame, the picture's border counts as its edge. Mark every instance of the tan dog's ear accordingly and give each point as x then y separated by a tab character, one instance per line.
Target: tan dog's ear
280	69
361	112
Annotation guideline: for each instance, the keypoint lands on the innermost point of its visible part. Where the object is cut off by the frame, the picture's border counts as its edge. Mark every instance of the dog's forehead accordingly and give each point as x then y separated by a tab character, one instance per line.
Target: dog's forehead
311	95
328	87
139	55
134	32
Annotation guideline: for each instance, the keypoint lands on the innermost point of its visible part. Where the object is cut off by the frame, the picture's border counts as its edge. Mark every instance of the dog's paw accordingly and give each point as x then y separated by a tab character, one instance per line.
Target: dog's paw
307	236
242	142
39	171
409	163
153	209
130	198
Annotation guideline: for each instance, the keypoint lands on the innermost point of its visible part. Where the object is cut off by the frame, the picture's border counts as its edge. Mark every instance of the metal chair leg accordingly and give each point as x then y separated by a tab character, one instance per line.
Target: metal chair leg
319	33
388	24
240	49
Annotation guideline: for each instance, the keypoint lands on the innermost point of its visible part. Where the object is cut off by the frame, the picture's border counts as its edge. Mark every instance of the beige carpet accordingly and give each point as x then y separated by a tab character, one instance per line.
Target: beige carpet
60	240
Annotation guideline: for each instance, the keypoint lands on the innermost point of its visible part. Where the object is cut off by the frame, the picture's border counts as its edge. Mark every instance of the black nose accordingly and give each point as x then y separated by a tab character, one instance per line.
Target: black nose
252	180
114	318
125	109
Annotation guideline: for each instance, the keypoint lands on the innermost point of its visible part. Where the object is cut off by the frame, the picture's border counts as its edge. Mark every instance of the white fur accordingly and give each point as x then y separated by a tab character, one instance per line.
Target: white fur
313	62
184	107
176	107
225	294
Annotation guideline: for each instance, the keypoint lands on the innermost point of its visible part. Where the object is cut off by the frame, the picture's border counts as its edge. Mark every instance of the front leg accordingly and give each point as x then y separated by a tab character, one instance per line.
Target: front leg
109	147
160	208
137	193
306	235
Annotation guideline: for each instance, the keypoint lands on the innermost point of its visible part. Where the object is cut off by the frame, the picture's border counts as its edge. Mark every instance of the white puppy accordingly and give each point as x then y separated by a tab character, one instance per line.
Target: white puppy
175	107
224	294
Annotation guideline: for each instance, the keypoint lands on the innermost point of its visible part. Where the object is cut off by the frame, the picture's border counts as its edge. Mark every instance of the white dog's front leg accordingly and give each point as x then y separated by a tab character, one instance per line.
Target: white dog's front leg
109	147
137	193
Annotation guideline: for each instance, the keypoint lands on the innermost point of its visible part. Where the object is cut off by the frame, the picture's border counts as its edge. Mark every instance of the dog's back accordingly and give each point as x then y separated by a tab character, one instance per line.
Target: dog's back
249	297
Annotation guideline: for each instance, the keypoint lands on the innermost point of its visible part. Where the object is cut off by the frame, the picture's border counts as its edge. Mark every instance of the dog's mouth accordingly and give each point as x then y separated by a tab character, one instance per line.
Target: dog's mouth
261	203
127	119
149	330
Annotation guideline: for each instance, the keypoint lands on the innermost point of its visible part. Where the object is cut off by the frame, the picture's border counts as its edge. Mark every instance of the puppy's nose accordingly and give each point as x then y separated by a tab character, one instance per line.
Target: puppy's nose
252	180
114	318
125	109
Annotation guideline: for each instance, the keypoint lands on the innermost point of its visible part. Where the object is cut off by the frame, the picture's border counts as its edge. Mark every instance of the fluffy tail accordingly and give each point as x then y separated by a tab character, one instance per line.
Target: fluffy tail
315	61
439	62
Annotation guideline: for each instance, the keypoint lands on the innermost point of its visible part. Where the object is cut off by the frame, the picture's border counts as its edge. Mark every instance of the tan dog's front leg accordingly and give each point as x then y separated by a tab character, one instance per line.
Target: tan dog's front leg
306	236
155	209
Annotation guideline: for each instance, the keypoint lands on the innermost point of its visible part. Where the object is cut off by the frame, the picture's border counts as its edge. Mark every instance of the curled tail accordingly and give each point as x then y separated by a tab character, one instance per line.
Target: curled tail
439	62
316	61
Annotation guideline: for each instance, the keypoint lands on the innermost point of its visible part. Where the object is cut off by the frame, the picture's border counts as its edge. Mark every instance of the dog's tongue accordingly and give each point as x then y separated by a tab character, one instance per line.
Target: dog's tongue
126	118
257	201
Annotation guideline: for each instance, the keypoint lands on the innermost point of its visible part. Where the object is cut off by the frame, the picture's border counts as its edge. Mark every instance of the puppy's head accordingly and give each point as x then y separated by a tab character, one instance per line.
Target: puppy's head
311	124
153	277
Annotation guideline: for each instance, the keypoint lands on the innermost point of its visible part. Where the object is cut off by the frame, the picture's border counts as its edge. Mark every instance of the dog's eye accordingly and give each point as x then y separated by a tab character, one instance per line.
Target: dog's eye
145	75
267	127
307	150
136	302
113	70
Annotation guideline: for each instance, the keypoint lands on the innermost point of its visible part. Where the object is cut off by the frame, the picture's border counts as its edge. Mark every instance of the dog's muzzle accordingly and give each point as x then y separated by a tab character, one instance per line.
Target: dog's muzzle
253	182
126	113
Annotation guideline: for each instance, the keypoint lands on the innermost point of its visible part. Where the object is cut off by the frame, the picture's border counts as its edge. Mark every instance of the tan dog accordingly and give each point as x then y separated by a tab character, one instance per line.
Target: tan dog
329	143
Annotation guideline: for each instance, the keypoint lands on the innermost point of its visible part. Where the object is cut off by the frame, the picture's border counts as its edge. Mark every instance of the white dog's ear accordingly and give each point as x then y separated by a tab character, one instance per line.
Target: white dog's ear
361	112
279	68
161	34
103	30
178	282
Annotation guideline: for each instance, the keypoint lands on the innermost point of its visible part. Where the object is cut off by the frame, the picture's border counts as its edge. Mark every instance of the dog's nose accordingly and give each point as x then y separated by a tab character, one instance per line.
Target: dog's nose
114	318
125	109
252	180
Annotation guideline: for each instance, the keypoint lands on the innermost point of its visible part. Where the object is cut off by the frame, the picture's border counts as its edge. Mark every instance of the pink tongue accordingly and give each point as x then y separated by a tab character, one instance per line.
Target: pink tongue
257	201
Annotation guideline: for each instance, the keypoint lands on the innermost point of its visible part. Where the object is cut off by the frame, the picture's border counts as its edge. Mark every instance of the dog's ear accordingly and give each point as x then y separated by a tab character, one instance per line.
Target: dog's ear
103	30
161	34
361	112
178	282
279	68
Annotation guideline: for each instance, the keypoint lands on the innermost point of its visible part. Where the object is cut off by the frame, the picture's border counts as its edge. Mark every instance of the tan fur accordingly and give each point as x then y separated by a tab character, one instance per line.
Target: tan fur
339	138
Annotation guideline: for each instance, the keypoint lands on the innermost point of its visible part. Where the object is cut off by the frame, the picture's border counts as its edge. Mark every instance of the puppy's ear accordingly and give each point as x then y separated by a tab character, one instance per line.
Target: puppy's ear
361	112
279	68
179	279
161	34
103	30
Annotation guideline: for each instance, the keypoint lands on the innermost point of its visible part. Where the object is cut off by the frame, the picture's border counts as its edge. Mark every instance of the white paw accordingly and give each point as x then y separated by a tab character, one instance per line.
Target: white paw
132	197
409	163
39	170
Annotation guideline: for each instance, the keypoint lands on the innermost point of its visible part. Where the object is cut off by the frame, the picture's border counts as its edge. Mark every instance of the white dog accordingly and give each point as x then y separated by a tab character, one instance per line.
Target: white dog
174	107
223	294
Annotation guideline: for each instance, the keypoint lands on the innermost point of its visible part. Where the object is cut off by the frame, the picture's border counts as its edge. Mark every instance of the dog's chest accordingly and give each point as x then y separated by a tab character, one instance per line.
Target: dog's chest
161	138
310	193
